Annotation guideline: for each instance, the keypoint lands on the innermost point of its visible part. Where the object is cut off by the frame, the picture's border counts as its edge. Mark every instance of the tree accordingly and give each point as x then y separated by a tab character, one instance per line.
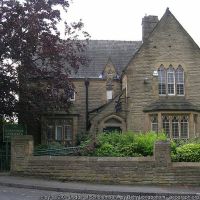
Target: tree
34	62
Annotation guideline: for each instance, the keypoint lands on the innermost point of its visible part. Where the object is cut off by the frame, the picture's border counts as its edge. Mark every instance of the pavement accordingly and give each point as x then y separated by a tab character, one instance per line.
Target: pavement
92	188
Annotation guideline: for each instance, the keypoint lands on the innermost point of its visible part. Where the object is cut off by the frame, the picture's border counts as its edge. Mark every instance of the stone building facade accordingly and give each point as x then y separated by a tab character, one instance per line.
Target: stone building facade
135	85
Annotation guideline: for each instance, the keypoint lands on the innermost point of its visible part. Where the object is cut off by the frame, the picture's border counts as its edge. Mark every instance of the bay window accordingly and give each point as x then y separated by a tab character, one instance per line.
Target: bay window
176	126
60	130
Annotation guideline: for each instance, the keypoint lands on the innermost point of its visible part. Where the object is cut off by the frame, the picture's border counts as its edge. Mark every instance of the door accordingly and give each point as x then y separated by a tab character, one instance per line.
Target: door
110	129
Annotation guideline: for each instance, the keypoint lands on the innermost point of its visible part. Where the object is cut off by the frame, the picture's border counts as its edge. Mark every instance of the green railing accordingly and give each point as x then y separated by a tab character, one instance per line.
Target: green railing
57	152
5	156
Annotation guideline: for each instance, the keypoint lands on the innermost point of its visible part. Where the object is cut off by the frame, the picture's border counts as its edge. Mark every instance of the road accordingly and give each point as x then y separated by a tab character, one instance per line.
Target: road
11	193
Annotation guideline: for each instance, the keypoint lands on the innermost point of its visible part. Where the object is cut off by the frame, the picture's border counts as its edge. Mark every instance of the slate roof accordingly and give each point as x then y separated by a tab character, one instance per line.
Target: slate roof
99	51
171	104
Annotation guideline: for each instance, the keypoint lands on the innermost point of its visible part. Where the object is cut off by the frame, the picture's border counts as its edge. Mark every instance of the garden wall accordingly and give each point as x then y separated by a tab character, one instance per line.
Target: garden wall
124	170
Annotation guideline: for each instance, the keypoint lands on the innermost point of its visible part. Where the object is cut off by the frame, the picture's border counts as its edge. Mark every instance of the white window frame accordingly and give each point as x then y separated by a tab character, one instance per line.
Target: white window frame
165	82
178	70
56	133
162	80
170	70
109	94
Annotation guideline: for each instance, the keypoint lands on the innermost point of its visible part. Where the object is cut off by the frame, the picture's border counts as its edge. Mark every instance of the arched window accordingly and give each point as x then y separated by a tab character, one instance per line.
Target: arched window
166	125
180	81
175	127
184	127
162	80
170	80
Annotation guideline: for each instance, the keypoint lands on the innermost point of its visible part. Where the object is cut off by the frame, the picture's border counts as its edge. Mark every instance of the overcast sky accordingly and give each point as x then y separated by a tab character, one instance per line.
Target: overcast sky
121	19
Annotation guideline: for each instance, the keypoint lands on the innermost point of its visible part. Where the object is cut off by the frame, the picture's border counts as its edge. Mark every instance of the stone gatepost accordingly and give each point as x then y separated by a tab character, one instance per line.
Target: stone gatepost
21	151
162	153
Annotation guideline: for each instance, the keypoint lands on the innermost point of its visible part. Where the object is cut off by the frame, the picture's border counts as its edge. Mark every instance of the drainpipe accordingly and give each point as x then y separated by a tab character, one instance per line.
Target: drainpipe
86	104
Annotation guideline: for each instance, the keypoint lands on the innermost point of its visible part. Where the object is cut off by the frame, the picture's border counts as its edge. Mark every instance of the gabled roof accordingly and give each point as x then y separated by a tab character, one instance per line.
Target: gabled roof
99	51
162	20
171	104
169	13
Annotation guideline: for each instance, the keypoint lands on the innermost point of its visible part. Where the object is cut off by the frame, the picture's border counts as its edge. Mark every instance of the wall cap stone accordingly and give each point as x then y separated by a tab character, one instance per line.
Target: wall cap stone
186	164
22	137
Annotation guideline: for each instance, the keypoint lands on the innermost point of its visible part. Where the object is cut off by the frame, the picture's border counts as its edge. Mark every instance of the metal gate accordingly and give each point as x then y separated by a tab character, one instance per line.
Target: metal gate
5	156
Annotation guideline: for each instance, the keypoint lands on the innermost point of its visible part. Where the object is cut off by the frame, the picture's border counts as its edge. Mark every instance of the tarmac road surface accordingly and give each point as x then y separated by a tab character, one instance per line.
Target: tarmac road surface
12	193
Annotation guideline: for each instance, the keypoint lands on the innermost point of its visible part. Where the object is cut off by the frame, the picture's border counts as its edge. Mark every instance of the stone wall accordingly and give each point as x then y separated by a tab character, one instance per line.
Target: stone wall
157	169
96	97
168	44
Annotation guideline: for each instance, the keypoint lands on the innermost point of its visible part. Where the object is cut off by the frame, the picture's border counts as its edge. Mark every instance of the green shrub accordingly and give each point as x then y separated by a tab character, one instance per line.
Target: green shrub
106	149
187	153
194	140
53	145
144	143
123	144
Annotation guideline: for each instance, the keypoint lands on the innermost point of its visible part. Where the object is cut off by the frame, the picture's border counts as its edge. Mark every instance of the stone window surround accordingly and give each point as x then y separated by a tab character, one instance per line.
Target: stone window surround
103	124
74	124
164	82
192	120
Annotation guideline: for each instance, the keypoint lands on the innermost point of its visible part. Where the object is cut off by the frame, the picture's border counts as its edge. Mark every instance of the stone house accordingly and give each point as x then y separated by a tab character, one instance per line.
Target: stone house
145	85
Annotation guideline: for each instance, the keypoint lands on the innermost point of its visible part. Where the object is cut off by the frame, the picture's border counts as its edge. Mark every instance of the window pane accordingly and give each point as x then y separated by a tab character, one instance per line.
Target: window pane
109	94
180	89
170	88
166	126
175	127
162	88
170	80
58	133
179	76
170	77
154	123
180	81
161	81
68	132
184	127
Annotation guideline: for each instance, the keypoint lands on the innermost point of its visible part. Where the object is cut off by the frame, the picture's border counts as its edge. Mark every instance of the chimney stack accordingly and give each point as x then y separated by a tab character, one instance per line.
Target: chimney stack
148	24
